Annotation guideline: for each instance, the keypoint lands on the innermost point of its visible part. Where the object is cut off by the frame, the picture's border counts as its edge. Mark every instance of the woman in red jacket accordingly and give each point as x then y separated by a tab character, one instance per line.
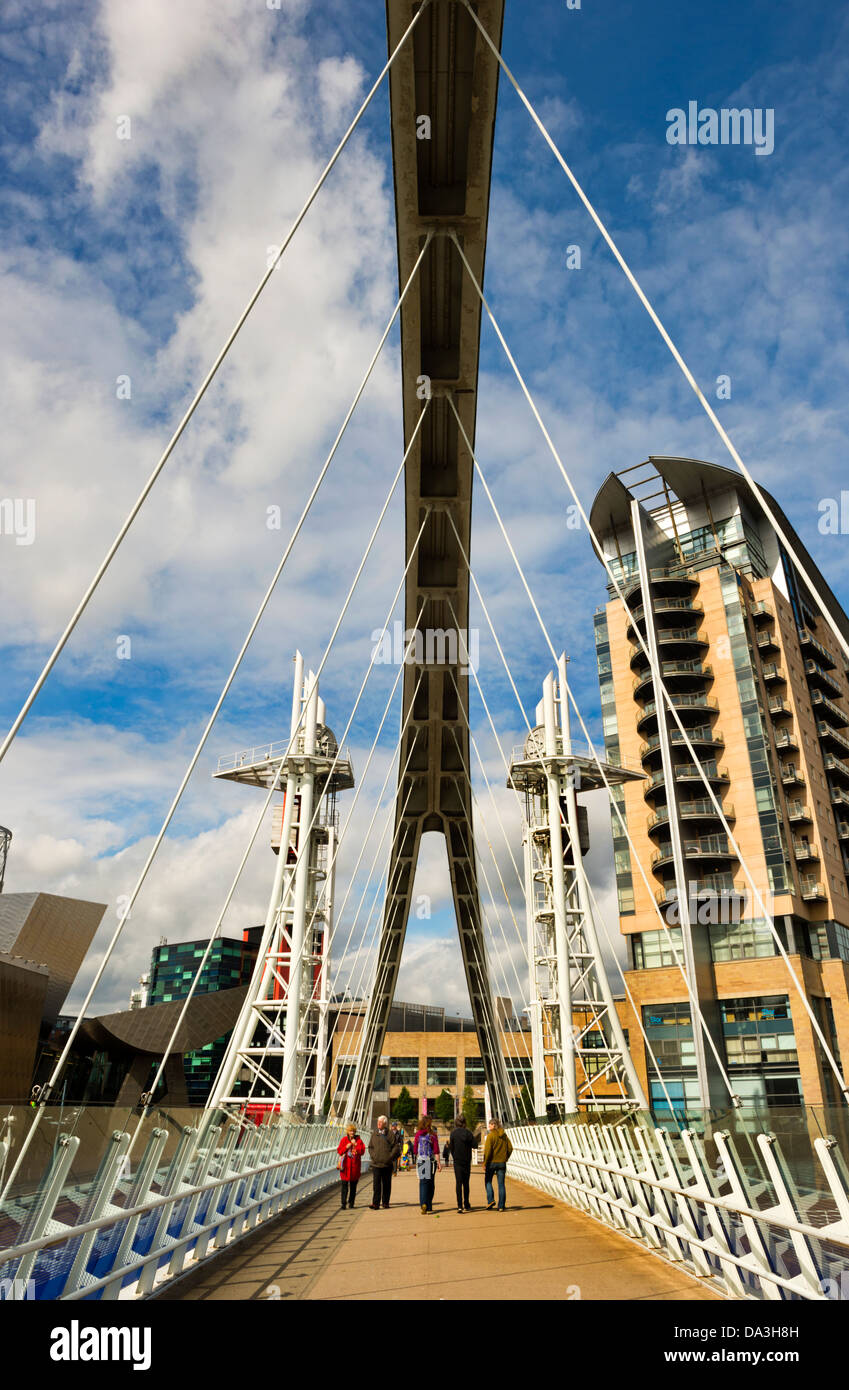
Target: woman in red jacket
350	1151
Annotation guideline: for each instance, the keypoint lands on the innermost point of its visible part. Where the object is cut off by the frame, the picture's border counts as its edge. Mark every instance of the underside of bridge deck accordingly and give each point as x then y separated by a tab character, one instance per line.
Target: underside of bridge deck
442	186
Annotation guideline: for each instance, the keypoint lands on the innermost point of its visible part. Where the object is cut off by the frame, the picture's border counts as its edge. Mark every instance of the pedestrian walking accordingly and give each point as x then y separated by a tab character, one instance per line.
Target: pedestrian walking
426	1150
383	1146
399	1135
351	1149
496	1152
461	1142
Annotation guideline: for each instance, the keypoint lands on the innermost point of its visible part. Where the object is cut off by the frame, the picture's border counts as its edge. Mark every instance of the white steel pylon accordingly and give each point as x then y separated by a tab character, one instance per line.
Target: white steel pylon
580	1057
276	1051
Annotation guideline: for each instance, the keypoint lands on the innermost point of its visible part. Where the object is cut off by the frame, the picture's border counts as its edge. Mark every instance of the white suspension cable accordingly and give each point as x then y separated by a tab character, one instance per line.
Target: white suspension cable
502	970
61	1061
202	963
201	392
340	915
693	999
665	696
688	375
499	746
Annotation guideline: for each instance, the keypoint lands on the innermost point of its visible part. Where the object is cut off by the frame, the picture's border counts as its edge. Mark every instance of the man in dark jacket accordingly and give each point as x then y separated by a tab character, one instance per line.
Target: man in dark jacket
461	1141
383	1148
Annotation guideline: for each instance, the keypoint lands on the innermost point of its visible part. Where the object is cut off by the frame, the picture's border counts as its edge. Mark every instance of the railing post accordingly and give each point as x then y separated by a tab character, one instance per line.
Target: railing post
174	1181
138	1194
102	1189
42	1214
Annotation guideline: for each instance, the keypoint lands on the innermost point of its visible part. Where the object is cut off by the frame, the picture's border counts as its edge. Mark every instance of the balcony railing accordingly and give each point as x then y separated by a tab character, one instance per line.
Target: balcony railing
829	708
771	671
790	774
812	889
807	639
825	731
707	847
817	673
803	850
763	612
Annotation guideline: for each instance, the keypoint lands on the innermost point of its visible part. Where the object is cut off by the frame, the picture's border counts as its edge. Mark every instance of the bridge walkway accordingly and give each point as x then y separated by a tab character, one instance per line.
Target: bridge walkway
537	1249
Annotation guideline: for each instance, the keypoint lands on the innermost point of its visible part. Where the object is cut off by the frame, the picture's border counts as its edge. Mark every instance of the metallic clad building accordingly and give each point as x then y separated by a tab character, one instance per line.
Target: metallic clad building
761	686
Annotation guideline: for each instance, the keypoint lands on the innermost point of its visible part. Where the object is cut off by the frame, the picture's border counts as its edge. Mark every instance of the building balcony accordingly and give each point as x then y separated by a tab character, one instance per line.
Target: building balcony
791	775
838	796
683	674
708	847
803	850
711	886
772	672
786	740
808	642
687	772
813	890
831	736
821	679
767	641
836	767
762	613
686	704
669	611
843	829
778	708
698	808
799	813
672	642
830	712
703	735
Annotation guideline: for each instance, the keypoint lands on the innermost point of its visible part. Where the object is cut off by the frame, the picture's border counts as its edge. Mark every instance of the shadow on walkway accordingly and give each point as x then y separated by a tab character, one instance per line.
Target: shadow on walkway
534	1250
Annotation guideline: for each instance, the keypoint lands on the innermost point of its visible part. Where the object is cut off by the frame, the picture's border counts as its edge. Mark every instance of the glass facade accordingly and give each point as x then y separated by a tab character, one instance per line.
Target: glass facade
651	949
759	1029
442	1071
741	940
669	1029
474	1073
404	1071
772	834
621	852
172	970
520	1071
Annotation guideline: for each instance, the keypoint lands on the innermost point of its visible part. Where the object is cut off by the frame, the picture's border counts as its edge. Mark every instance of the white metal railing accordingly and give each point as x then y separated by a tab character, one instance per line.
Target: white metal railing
535	752
129	1240
755	1241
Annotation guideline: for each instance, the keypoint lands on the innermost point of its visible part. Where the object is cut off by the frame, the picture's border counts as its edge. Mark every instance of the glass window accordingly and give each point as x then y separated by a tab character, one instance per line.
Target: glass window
442	1071
520	1071
654	948
474	1073
345	1076
404	1071
741	940
669	1030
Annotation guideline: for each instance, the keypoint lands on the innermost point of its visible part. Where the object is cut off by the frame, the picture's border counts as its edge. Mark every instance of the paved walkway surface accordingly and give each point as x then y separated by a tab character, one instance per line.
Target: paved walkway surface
536	1249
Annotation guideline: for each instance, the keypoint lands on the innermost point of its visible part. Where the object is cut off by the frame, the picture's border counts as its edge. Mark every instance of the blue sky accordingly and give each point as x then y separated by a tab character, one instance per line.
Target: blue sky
133	257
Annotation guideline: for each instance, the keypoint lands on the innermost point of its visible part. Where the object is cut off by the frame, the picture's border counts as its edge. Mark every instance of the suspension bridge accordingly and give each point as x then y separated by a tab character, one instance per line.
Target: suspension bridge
238	1198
